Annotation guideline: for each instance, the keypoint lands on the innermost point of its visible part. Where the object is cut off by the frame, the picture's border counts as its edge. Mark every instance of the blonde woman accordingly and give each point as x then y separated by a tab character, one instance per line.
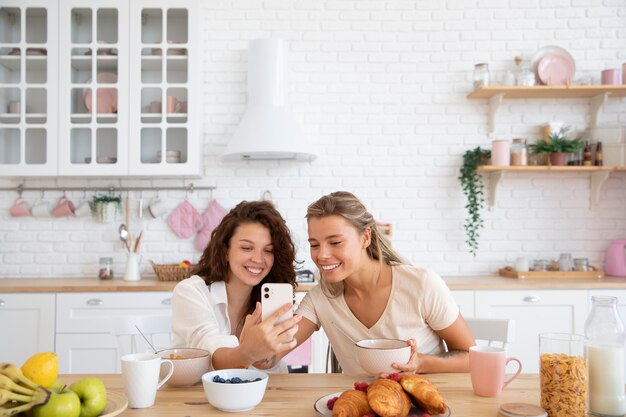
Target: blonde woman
367	291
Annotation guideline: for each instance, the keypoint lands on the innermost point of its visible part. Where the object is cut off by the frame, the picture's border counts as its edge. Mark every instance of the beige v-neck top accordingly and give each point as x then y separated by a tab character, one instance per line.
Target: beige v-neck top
419	304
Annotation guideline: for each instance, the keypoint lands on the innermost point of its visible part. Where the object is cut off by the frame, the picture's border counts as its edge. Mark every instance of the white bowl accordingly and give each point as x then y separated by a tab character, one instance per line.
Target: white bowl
377	355
189	365
235	398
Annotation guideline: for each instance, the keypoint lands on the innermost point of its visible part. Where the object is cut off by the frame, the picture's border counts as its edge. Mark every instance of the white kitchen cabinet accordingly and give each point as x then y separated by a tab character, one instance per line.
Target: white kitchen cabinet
26	326
534	312
465	300
97	101
28	88
83	323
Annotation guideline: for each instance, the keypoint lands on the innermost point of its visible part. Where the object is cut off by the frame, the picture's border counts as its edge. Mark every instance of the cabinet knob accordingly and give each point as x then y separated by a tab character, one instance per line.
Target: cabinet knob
95	302
2	303
167	301
532	299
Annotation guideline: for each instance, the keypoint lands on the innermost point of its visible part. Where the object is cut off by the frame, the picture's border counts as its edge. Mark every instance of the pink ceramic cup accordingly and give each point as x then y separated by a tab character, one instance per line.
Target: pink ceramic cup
487	369
611	76
63	208
174	105
19	208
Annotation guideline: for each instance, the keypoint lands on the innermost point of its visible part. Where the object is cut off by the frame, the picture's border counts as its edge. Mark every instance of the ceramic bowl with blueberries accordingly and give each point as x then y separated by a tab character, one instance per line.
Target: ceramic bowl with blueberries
234	390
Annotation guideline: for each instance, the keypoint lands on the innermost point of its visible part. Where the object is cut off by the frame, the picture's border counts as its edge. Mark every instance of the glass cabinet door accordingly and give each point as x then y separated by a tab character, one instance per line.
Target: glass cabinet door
93	108
28	88
164	109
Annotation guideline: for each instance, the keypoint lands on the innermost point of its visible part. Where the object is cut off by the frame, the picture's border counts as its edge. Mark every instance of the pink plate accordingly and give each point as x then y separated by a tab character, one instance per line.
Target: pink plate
107	97
555	70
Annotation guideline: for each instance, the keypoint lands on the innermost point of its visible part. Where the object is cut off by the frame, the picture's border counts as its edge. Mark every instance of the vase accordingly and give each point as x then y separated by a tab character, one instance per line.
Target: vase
558	158
106	211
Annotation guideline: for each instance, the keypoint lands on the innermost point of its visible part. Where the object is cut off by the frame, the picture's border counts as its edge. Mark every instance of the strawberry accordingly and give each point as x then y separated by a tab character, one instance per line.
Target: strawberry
331	403
361	386
394	377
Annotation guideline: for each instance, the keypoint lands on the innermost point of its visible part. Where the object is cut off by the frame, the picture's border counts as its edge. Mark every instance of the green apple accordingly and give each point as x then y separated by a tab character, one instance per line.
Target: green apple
62	403
57	386
92	394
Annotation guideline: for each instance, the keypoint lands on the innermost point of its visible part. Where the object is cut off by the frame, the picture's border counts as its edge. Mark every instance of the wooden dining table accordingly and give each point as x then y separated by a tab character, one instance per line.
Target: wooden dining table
294	395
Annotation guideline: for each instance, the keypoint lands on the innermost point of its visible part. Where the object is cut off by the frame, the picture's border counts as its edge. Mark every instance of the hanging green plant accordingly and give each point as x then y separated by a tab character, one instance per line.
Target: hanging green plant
474	190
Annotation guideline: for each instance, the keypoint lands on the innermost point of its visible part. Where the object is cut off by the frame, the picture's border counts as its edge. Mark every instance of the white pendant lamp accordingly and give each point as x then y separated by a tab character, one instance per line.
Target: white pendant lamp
268	129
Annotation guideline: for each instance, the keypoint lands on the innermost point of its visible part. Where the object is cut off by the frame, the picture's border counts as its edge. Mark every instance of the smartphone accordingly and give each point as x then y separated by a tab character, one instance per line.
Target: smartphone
273	297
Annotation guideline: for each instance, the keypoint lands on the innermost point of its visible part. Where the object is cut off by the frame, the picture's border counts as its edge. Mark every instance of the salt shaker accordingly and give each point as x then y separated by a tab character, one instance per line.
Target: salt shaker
605	355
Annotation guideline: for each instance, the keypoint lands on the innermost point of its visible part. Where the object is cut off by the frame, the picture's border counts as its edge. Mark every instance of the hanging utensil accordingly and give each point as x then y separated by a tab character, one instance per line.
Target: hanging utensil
123	231
146	339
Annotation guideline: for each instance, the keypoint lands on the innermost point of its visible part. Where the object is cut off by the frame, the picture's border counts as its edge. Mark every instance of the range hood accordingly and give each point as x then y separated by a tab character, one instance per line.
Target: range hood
268	129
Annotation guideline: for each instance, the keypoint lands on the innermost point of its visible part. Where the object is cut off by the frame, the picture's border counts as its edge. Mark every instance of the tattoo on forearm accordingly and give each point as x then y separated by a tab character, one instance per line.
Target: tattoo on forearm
451	353
266	363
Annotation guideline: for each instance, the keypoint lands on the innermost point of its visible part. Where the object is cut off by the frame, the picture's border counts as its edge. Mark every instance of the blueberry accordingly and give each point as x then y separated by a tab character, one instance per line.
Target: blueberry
216	378
258	379
222	380
237	380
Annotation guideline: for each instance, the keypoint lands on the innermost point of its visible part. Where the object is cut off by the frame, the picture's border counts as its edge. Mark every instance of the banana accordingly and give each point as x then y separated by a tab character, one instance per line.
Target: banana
11	411
7	383
18	393
16	375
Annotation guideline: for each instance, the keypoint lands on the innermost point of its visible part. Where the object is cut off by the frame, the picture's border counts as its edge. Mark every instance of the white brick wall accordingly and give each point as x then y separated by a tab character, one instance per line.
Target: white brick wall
380	87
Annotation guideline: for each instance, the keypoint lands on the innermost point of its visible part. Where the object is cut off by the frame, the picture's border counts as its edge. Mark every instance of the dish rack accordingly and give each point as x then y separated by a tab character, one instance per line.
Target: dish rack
171	272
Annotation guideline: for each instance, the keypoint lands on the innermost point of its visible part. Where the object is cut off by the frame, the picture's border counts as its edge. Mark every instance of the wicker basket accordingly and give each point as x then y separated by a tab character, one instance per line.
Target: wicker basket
171	272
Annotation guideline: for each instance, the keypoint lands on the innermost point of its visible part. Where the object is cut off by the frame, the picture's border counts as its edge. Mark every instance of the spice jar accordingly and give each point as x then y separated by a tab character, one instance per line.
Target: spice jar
581	264
519	152
565	262
605	355
563	374
540	265
481	75
106	269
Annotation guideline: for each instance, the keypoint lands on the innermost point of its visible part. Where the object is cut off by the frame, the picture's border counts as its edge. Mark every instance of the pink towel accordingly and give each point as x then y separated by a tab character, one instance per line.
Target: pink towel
211	217
185	220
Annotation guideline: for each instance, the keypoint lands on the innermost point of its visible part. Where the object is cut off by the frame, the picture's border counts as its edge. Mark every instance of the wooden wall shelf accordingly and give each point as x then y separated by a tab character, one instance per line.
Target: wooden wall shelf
597	95
599	175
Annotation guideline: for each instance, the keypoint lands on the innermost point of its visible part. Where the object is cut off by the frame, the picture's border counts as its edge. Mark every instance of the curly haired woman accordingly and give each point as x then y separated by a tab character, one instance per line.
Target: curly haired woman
218	308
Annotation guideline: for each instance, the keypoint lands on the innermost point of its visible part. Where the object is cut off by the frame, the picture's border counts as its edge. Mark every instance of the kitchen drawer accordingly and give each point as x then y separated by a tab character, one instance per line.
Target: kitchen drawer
91	312
87	353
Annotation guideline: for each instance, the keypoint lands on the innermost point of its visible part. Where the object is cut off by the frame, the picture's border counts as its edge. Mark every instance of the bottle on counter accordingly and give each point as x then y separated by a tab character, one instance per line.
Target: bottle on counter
598	161
605	355
106	268
587	155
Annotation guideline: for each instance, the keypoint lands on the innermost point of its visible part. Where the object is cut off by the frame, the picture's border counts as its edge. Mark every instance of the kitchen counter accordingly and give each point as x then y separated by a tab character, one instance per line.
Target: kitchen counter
460	282
34	285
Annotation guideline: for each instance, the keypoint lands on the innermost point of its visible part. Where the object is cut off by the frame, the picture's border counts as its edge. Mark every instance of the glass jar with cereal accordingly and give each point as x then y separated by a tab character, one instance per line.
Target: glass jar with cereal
563	374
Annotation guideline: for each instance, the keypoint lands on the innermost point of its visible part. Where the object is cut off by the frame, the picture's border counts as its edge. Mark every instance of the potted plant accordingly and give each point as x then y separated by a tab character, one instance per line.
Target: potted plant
106	207
474	190
557	146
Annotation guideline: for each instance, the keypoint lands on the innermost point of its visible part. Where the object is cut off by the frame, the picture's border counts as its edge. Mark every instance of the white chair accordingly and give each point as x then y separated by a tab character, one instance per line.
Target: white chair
492	331
157	329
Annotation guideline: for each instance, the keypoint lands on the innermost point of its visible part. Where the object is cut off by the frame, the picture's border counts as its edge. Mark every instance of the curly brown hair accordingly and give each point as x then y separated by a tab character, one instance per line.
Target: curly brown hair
213	265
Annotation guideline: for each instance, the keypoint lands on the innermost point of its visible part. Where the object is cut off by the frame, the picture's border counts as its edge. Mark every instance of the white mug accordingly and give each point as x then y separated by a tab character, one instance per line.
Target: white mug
141	377
156	208
40	209
83	209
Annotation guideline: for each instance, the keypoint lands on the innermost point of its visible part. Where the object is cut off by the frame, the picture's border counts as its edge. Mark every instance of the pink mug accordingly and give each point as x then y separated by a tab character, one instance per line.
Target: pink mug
63	208
487	369
610	77
19	208
174	105
500	153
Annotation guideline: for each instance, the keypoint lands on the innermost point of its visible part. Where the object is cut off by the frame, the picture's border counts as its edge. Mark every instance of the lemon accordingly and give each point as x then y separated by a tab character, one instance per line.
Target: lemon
42	368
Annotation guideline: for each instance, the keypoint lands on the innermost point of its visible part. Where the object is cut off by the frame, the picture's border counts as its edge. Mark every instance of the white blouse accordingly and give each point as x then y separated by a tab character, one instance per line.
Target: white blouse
200	317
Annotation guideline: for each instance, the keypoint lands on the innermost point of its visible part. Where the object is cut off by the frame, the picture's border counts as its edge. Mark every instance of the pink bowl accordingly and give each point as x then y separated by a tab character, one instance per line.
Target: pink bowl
189	365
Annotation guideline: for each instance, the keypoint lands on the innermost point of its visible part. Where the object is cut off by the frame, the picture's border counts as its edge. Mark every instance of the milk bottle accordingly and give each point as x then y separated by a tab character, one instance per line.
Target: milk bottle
605	354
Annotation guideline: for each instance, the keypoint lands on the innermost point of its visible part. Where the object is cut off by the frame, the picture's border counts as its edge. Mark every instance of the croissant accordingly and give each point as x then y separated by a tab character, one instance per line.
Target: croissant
388	399
423	393
351	403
